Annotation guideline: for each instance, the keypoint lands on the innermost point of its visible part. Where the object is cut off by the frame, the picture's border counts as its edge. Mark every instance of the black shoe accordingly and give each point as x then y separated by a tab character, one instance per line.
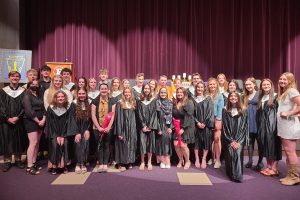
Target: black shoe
20	164
248	165
37	166
258	167
6	166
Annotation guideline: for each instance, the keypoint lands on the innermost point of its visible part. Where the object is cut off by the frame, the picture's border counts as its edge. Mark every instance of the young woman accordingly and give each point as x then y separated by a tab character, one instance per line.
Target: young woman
183	110
163	141
250	103
125	84
34	121
218	100
60	128
125	130
234	136
153	84
115	90
81	83
103	109
223	84
204	117
177	84
82	117
149	122
93	93
267	127
288	124
233	86
56	85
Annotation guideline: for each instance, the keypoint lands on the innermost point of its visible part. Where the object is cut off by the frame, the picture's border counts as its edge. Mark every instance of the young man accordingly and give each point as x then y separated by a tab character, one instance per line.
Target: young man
12	134
66	74
163	79
137	89
31	75
45	78
196	78
103	75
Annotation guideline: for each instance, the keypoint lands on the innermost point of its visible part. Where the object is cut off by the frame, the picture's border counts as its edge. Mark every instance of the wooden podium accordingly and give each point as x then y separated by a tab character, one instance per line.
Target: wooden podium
56	68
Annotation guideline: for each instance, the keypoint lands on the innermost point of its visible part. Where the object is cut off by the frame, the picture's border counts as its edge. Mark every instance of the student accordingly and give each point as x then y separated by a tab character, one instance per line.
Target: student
31	75
103	75
234	136
163	79
233	86
137	89
45	79
82	117
250	100
149	123
218	101
12	134
196	78
267	127
81	84
223	84
34	121
204	117
163	143
177	84
93	93
66	73
288	125
115	90
101	108
125	130
183	110
153	85
60	128
125	84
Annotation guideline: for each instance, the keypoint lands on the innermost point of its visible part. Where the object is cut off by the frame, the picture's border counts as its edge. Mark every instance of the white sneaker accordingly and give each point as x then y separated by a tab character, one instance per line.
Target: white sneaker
168	166
210	162
162	166
217	164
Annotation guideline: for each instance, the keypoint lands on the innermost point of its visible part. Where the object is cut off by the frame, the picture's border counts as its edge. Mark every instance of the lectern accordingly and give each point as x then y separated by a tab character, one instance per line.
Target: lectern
56	68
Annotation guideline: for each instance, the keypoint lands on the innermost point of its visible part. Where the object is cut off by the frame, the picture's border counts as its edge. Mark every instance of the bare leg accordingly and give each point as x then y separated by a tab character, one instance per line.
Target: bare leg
197	162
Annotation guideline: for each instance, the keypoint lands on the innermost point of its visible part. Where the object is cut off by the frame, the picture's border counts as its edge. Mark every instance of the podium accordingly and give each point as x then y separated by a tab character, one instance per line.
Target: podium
56	68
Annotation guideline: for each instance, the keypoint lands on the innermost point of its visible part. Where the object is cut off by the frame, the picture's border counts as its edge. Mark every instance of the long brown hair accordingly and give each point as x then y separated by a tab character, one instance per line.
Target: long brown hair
131	100
205	89
111	86
292	84
54	99
239	103
225	83
143	95
185	97
261	94
246	92
80	113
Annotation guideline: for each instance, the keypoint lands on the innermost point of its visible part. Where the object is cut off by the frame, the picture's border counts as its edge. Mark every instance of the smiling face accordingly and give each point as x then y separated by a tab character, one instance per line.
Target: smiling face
140	81
266	87
212	86
81	94
233	98
163	80
103	90
200	89
116	84
57	82
152	85
231	87
103	76
177	83
163	93
92	83
127	94
249	86
179	94
81	83
221	79
283	82
66	76
60	98
196	79
126	83
147	90
14	78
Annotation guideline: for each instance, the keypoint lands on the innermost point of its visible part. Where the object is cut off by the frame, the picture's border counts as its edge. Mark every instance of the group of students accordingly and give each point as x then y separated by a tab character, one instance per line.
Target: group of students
115	121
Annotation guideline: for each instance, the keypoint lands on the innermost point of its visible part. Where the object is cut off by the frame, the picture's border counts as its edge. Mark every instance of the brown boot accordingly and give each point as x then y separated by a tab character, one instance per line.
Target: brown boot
293	175
287	176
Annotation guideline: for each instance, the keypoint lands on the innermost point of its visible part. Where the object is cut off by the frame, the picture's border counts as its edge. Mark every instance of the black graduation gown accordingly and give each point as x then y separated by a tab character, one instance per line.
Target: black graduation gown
204	113
12	136
148	117
267	131
60	126
234	129
82	147
125	126
187	122
163	143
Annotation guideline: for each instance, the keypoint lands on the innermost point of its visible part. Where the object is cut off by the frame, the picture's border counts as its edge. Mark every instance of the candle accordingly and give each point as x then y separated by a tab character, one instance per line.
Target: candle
178	76
184	75
190	77
173	77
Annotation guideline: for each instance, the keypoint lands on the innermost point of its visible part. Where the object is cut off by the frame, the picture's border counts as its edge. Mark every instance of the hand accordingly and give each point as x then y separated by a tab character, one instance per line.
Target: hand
181	131
11	120
120	137
41	123
86	135
159	132
60	141
107	129
201	125
169	130
145	129
77	137
100	129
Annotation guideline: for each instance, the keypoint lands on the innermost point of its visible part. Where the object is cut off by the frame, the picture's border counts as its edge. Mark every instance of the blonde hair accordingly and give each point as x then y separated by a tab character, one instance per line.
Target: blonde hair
217	87
246	92
131	100
291	84
225	83
111	85
52	90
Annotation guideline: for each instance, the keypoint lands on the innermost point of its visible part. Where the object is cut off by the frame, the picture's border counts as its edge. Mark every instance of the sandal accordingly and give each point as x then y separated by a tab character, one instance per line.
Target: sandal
83	169
142	166
187	165
38	167
33	171
150	167
265	171
179	165
78	170
53	171
197	164
272	172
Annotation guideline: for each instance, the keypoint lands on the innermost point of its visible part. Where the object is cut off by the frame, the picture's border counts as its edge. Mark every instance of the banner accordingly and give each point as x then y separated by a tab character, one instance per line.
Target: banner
16	60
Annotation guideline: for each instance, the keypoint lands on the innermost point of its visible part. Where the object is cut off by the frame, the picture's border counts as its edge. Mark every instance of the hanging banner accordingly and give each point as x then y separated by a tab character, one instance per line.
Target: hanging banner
14	60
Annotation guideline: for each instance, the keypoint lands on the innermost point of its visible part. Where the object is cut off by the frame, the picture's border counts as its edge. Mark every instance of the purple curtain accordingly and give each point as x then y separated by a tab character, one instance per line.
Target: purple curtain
239	38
